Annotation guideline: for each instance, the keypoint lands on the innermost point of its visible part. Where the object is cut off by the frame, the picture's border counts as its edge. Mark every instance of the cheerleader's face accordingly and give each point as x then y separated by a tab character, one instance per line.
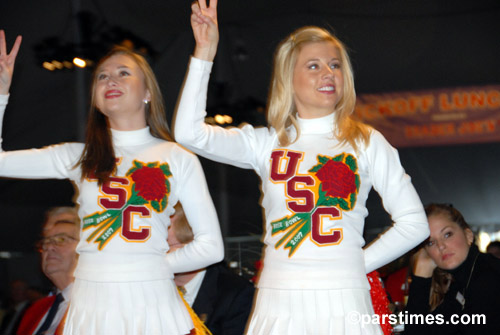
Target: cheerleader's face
318	83
120	93
448	244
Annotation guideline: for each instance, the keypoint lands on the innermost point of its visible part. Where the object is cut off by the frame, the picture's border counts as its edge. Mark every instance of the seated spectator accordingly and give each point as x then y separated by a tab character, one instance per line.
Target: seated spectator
452	280
57	247
221	298
494	248
18	303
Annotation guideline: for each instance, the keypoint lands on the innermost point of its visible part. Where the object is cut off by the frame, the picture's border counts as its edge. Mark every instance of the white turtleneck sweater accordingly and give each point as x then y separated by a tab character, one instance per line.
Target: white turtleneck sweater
322	248
123	236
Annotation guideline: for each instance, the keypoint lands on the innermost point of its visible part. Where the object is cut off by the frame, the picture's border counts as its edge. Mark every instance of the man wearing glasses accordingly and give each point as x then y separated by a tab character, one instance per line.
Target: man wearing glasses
60	237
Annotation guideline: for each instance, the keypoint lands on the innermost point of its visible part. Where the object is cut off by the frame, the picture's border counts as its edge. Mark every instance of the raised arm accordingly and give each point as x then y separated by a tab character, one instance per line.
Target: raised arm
236	146
51	162
205	29
7	61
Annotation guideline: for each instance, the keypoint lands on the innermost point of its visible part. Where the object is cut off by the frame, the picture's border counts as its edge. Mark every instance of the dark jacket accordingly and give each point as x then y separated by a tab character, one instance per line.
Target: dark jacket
481	294
224	301
12	316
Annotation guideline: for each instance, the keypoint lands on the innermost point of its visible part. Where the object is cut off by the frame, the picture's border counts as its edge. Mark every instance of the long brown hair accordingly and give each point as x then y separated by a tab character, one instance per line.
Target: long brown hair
441	279
98	157
281	108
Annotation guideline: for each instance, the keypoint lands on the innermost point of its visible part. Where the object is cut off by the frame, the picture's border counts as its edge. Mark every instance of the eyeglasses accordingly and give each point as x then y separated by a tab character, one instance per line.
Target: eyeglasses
56	240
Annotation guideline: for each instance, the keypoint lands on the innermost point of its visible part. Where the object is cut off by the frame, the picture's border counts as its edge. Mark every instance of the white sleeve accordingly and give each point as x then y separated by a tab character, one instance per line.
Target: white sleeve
207	247
55	161
400	200
235	146
4	99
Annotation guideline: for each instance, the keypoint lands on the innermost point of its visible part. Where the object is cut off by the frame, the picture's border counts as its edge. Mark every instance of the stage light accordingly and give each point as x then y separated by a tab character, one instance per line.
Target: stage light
484	239
79	62
48	66
219	119
57	64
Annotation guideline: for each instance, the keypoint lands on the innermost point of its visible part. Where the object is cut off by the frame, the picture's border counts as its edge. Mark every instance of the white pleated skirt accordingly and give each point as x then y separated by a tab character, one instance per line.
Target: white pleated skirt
312	312
127	308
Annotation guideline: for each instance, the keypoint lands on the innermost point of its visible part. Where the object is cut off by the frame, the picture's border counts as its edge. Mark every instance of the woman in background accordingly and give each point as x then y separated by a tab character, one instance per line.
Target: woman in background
451	278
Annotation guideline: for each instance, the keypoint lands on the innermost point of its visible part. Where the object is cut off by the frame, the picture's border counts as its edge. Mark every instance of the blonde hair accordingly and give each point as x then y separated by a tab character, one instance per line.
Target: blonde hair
281	109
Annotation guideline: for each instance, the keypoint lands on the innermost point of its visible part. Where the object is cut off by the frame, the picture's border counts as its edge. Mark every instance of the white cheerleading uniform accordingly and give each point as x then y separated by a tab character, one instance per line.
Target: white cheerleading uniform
315	266
124	277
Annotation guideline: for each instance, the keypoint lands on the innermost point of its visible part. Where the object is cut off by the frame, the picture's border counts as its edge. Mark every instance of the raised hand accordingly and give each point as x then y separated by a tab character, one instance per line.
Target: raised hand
205	29
7	62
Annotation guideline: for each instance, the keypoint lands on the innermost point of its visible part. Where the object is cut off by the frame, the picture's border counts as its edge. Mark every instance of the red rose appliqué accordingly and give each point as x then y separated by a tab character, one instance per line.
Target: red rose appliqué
150	183
337	179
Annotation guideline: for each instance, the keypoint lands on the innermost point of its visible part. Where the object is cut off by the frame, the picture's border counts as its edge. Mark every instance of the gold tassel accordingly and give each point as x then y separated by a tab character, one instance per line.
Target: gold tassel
199	326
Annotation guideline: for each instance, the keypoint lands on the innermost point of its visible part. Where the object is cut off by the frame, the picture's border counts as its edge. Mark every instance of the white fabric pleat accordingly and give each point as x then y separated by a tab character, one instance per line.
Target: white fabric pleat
311	312
127	308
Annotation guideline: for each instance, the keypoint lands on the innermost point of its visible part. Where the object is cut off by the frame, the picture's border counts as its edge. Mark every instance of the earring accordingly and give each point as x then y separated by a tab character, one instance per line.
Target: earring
146	101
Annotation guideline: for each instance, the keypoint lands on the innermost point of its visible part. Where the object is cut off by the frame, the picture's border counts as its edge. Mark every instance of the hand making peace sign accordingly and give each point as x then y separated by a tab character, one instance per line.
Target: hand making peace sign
7	62
205	30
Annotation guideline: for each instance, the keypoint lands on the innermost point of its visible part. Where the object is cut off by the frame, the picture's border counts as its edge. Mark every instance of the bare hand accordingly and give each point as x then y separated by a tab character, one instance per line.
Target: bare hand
7	62
205	29
423	265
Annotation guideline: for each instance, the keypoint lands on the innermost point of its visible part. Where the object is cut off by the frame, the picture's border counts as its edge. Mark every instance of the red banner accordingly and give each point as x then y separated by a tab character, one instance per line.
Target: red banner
434	117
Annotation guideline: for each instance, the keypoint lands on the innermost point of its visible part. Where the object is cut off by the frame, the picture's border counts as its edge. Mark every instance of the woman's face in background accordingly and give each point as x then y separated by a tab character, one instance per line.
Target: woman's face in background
448	243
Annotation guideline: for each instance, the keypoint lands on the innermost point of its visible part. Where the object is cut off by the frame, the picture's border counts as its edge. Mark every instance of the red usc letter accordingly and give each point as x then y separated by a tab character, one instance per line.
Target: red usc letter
301	206
116	192
292	159
334	236
142	233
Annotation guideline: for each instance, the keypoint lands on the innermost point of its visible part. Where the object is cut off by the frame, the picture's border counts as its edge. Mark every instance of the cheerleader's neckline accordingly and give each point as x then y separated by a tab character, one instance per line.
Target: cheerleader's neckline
320	125
131	137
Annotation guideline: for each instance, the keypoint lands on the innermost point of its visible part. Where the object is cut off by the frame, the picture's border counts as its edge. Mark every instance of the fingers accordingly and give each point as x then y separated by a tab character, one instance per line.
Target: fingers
3	47
196	16
15	48
202	4
199	16
195	8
